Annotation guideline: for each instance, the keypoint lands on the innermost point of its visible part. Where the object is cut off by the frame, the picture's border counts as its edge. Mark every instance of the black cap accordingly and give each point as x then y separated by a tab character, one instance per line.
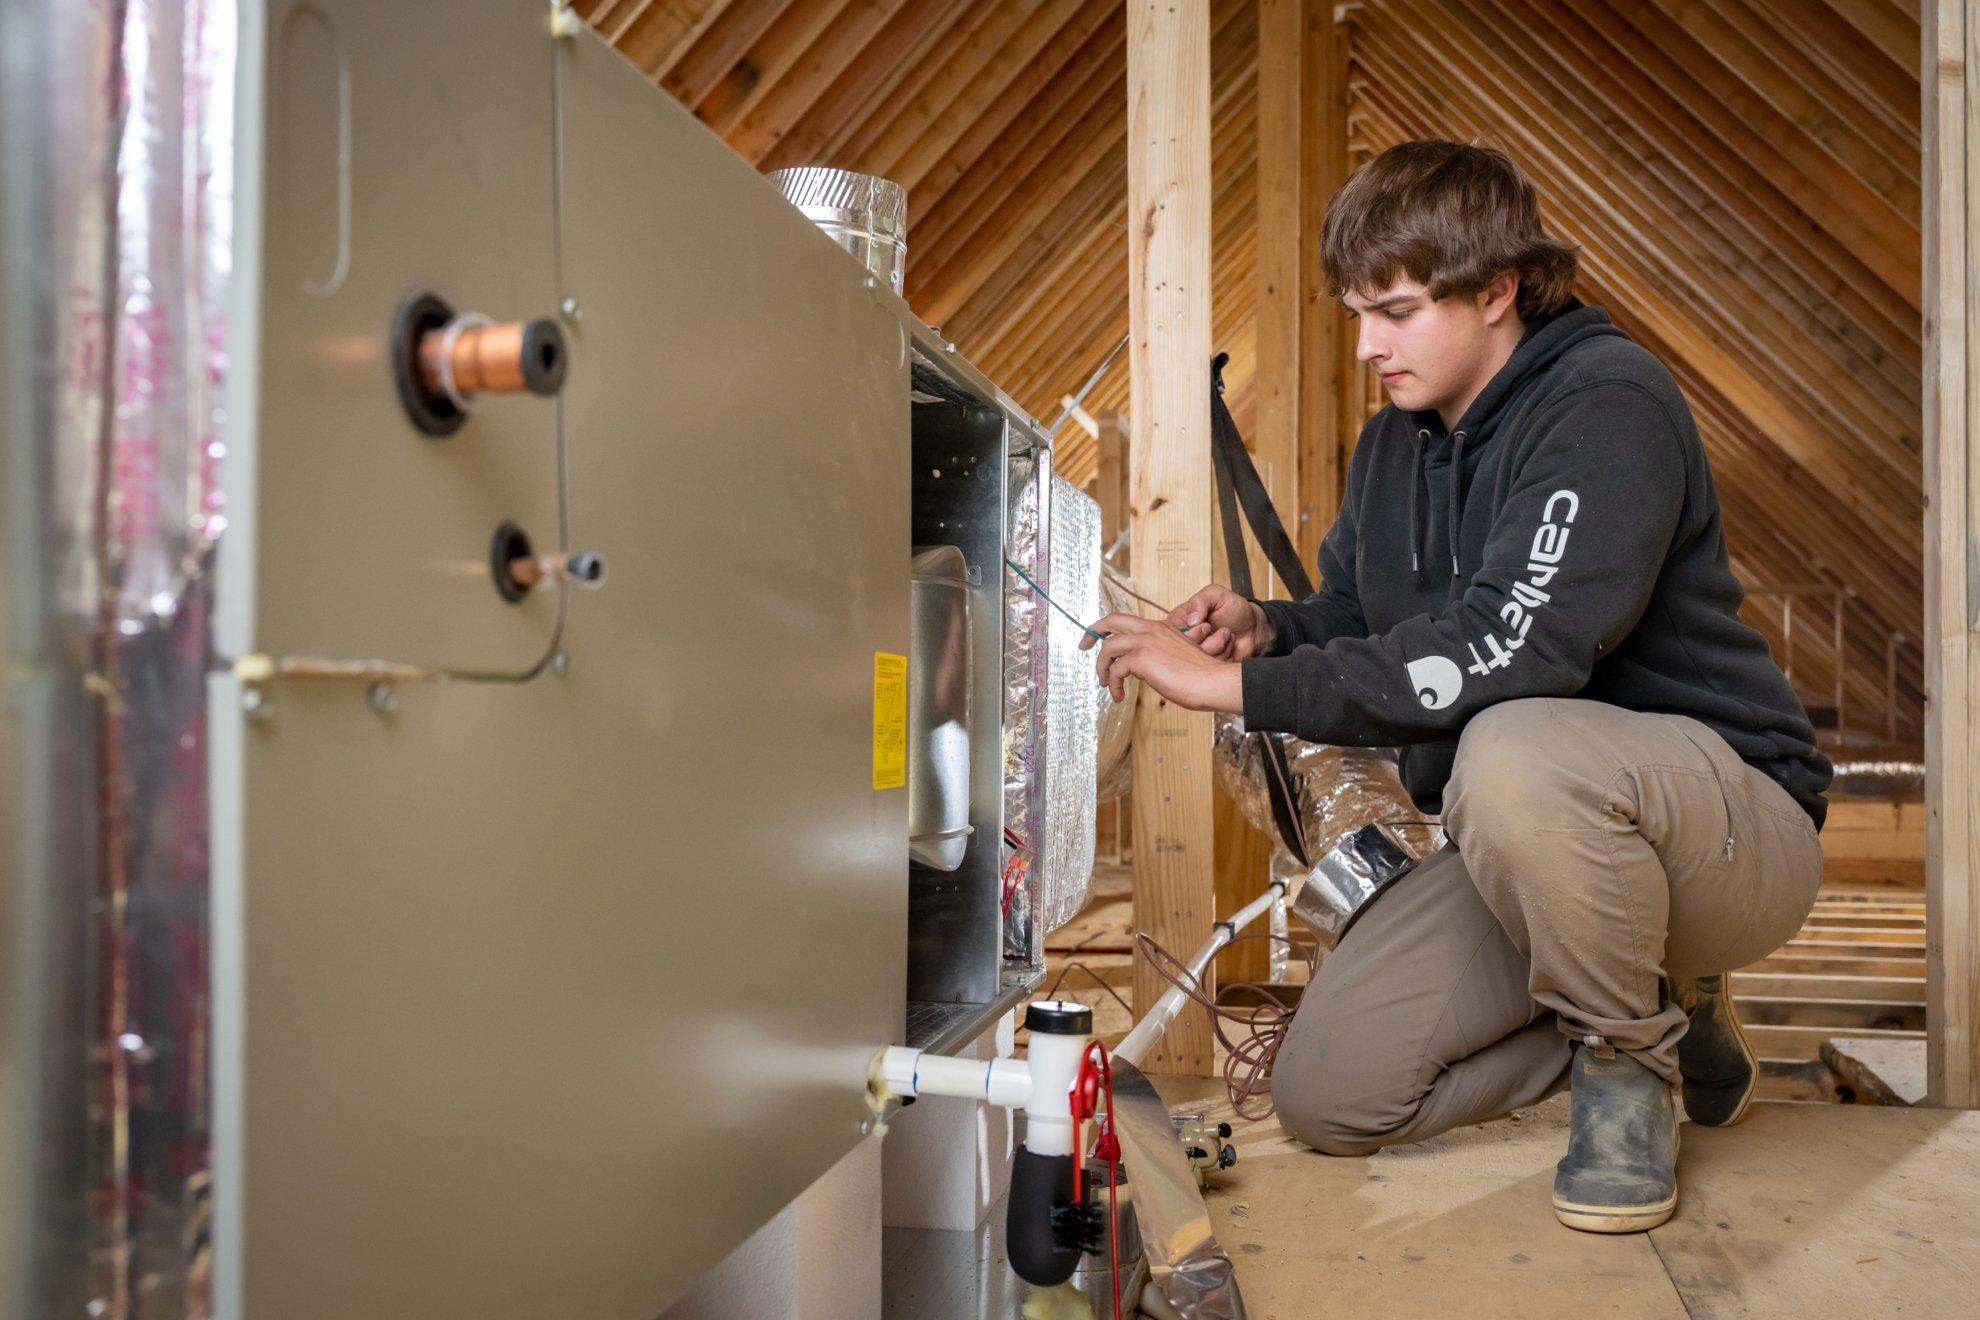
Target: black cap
544	356
1058	1017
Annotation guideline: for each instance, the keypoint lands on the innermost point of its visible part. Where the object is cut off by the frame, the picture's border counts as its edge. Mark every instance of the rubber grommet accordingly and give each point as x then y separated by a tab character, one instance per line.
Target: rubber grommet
431	411
510	544
545	357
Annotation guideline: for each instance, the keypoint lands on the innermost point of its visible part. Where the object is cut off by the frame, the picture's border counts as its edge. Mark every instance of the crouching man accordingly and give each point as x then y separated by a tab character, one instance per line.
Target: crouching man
1526	591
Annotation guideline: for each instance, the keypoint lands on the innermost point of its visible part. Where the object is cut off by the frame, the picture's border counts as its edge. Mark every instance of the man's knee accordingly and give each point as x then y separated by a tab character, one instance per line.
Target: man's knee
1525	766
1324	1098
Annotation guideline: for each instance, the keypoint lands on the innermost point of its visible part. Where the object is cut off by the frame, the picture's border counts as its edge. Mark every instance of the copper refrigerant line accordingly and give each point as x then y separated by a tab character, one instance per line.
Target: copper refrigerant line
442	362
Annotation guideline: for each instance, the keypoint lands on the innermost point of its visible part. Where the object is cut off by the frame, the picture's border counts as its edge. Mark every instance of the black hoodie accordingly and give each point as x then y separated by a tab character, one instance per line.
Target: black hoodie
1563	540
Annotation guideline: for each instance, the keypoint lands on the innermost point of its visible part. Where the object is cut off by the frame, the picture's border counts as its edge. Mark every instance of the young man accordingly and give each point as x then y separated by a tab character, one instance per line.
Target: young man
1527	593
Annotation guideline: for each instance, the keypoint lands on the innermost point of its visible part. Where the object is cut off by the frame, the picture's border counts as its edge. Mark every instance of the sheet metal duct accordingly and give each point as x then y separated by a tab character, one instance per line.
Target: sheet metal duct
938	708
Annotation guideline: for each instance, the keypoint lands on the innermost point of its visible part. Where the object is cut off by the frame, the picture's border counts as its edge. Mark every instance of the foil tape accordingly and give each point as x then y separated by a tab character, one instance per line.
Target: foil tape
1072	706
1188	1270
1345	879
1341	790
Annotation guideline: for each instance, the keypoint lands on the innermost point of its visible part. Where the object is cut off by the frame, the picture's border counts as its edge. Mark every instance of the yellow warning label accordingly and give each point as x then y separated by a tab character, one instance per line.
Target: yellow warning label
889	720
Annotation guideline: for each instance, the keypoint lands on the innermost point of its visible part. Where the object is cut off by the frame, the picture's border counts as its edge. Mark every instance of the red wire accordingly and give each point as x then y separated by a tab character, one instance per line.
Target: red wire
1092	1081
1014	871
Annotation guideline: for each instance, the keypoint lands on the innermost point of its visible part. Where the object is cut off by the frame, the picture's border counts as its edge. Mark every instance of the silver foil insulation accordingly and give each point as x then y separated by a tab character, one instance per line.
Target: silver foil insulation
1051	704
1072	706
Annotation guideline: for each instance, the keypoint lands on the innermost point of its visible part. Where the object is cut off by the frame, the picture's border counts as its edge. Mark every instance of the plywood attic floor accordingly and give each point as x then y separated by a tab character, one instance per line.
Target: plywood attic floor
1802	1210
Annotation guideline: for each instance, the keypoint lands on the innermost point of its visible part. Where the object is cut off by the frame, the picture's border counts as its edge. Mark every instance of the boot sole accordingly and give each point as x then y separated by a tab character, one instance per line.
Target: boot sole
1612	1218
1752	1070
1621	1218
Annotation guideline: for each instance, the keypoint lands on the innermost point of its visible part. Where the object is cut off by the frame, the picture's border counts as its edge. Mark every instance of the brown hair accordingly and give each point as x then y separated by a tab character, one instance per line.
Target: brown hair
1449	216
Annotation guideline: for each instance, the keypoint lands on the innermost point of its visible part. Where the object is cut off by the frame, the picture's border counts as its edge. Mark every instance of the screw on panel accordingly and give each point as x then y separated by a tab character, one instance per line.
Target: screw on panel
865	1126
570	311
561	662
255	702
384	698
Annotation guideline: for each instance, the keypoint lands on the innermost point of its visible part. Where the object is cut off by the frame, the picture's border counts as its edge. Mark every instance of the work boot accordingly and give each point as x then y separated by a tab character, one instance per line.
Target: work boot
1720	1071
1620	1174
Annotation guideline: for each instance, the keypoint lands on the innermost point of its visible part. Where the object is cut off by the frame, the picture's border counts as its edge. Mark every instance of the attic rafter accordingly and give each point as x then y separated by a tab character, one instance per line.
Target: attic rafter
784	101
865	84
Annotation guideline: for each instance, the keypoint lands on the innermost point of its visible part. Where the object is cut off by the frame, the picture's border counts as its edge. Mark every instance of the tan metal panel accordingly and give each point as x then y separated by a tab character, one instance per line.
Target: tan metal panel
408	149
535	999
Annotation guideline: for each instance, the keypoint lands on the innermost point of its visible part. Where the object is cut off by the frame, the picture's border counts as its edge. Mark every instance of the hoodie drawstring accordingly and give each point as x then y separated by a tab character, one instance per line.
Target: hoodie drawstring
1418	475
1457	496
1419	534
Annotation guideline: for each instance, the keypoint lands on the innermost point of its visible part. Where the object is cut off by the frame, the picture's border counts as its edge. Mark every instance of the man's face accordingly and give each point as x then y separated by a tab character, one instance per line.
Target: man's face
1431	353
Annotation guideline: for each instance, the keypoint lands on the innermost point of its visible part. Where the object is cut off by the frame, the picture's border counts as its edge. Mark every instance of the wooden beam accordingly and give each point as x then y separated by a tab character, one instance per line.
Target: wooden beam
718	48
655	35
1168	149
1111	434
761	67
1952	659
1282	242
865	85
1244	854
1893	33
782	106
1329	412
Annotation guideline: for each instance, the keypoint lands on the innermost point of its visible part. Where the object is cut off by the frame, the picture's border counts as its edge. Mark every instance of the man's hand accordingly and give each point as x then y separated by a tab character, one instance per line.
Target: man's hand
1168	661
1237	628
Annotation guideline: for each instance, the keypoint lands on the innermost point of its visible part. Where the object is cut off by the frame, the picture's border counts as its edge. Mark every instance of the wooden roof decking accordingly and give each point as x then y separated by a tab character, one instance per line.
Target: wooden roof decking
1742	177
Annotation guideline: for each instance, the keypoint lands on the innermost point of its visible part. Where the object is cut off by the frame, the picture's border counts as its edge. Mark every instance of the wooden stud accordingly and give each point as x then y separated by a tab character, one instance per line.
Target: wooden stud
1952	659
1111	435
1283	242
1168	60
1329	415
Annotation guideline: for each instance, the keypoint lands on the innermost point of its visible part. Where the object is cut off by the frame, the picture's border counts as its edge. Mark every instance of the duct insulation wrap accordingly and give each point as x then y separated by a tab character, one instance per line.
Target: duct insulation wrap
1341	789
116	248
866	216
1024	667
1072	706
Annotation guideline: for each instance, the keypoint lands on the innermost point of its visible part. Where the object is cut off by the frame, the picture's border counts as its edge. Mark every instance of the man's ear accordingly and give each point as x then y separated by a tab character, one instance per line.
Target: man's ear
1499	298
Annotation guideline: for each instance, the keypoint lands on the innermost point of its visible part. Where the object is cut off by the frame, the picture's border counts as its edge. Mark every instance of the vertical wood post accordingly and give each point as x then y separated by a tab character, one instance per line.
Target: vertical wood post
1283	240
1168	144
1952	585
1329	414
1110	435
1244	854
1111	438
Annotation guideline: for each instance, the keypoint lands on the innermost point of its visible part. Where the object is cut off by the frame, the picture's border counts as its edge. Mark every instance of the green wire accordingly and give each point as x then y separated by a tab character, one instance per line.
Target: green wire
1047	596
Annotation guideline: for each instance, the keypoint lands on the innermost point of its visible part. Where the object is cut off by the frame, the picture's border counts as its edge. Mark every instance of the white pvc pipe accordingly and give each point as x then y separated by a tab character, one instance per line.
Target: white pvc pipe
1146	1032
1040	1085
1048	1126
910	1072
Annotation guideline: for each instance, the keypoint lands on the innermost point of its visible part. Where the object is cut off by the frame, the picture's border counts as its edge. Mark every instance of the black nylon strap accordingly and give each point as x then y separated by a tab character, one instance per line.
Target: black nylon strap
1238	483
1236	471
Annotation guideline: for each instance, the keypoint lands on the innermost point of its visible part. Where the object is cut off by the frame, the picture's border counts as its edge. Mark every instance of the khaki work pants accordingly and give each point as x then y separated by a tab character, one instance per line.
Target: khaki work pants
1596	851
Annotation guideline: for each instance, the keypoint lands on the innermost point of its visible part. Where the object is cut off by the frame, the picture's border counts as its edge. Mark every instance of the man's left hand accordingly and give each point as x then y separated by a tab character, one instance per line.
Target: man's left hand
1171	662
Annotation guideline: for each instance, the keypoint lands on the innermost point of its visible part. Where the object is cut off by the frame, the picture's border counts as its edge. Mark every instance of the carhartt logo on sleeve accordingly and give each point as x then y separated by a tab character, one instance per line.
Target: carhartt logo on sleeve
1543	560
1437	681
